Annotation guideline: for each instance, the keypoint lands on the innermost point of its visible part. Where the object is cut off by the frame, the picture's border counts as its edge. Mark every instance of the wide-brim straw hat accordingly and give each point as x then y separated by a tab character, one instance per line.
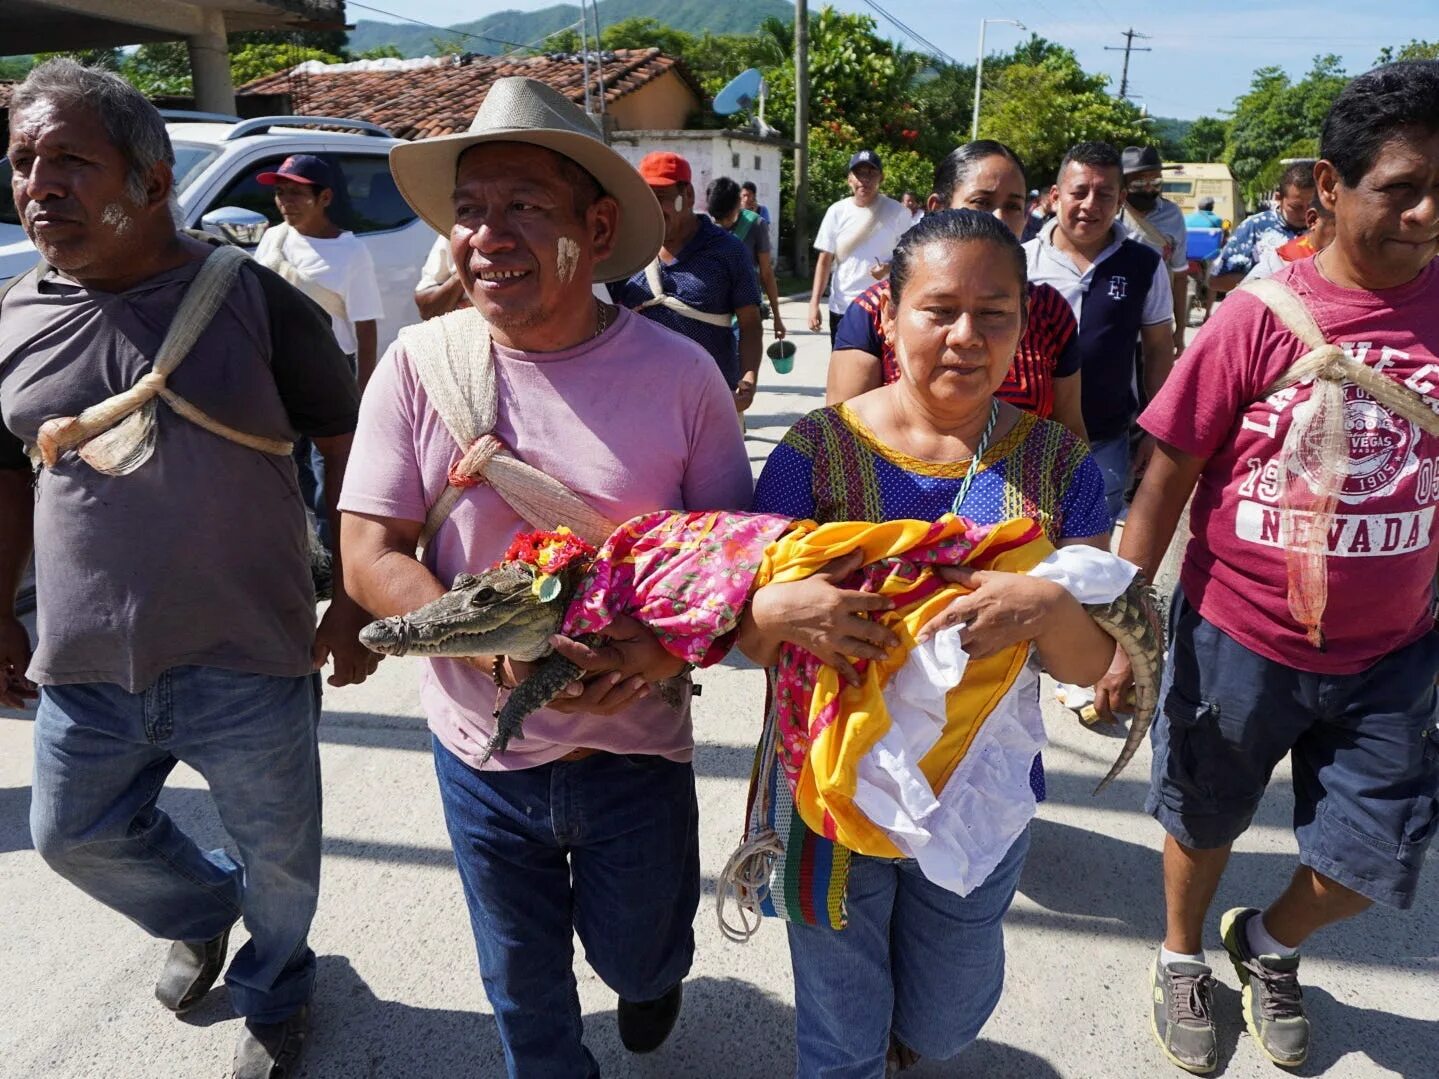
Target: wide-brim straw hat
525	110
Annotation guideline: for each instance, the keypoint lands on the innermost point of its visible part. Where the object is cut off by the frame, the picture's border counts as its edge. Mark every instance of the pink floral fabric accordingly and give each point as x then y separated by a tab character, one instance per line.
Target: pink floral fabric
687	576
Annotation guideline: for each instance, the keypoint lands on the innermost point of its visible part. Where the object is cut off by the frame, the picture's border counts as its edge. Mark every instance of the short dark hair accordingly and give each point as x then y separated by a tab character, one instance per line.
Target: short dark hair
956	166
1095	154
722	197
954	227
1374	108
1297	177
749	186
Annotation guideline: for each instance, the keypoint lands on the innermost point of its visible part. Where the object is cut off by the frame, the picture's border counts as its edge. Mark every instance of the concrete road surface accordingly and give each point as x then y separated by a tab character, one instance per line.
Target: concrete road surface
399	994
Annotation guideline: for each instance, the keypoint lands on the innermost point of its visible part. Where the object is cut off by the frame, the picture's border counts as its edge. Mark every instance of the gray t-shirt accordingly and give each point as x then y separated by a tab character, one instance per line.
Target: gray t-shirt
199	556
756	237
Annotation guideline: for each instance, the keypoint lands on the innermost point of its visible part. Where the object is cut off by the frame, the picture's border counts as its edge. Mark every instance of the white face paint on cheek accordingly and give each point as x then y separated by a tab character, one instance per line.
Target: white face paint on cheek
117	218
567	259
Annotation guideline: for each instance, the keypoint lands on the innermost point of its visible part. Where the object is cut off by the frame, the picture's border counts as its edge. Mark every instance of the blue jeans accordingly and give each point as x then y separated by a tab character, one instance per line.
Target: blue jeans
1112	457
606	847
915	959
101	757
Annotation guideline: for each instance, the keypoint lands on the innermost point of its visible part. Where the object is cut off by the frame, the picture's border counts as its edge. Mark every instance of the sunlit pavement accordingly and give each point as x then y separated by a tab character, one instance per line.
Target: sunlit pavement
399	994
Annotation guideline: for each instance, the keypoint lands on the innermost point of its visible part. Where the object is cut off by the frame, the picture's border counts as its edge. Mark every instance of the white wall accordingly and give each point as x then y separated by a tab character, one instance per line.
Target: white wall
711	154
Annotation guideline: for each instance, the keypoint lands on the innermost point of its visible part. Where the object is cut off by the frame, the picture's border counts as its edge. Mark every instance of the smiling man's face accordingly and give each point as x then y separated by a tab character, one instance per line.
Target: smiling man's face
1089	200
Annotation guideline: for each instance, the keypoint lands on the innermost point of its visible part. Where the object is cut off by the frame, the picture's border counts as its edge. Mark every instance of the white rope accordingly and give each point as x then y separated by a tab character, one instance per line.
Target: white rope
660	298
745	880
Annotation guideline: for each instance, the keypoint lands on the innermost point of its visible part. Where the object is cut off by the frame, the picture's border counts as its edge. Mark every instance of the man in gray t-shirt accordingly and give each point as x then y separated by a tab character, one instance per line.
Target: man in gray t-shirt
175	613
722	202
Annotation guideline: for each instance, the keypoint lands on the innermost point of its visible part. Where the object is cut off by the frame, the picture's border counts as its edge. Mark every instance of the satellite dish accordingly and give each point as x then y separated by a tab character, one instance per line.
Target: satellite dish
740	92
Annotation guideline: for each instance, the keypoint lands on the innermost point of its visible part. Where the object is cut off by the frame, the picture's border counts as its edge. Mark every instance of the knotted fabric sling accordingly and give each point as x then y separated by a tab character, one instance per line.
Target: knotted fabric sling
660	298
1314	460
117	435
455	363
850	241
273	257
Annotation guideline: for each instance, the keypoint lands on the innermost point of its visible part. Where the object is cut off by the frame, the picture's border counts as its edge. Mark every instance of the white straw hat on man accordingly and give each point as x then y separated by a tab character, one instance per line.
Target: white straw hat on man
525	110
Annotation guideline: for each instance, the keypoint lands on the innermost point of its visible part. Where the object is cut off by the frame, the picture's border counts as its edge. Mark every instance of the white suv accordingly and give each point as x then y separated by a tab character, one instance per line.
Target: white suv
216	161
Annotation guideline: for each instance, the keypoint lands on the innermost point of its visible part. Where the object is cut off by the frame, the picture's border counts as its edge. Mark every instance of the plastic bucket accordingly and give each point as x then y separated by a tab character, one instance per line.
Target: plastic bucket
781	354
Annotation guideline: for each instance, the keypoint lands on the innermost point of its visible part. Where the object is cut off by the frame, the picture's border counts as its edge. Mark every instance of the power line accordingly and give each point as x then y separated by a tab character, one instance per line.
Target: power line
1129	47
934	49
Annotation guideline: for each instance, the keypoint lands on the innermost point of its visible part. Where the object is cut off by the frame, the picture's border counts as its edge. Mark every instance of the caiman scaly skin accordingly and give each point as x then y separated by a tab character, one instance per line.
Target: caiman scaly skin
1133	621
496	613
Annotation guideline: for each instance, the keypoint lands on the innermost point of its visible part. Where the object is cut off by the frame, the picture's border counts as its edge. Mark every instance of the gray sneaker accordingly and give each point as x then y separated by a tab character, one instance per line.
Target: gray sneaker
1183	1000
1272	999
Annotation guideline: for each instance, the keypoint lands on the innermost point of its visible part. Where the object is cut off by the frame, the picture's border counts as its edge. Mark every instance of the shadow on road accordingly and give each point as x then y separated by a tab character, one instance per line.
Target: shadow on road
14	819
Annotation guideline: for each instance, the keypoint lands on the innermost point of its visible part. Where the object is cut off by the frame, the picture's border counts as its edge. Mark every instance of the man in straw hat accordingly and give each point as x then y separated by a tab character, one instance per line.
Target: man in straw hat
176	612
588	823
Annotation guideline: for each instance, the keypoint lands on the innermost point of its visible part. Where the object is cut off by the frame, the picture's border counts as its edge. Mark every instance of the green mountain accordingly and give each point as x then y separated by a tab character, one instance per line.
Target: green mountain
495	32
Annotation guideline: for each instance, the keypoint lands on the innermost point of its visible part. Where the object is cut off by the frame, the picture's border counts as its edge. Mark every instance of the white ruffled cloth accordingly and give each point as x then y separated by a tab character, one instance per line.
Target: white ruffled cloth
959	836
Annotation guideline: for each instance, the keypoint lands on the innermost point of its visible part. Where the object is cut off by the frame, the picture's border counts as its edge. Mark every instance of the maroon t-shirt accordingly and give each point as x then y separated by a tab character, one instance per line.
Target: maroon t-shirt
1381	549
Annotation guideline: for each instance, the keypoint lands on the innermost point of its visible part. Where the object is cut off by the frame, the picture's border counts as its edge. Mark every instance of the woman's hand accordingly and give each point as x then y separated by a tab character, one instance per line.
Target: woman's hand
820	617
1002	609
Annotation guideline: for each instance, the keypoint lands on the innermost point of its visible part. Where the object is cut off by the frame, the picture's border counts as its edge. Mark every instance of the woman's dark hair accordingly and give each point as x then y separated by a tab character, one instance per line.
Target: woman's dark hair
1374	108
721	197
957	164
954	227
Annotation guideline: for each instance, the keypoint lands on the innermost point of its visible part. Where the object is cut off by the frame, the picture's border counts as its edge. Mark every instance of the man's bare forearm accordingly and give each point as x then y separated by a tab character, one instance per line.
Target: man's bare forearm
441	299
381	571
17	531
1158	342
821	276
751	341
367	338
767	279
1158	504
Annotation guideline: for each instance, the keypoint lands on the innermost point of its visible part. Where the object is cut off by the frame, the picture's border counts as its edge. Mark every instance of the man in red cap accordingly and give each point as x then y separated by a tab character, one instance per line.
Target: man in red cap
702	279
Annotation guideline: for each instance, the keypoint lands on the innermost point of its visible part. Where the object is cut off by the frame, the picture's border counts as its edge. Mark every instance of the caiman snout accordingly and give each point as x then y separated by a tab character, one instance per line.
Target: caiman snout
385	636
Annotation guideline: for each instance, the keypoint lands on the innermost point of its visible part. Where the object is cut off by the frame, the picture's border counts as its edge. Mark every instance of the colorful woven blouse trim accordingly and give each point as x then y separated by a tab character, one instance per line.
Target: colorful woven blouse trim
945	470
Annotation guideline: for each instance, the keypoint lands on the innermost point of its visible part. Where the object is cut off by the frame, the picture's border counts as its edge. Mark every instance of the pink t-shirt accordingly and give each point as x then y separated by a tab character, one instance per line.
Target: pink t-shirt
1381	558
638	419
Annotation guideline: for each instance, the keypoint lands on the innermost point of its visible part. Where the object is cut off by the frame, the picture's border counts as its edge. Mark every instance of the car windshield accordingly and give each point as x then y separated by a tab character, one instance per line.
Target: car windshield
189	161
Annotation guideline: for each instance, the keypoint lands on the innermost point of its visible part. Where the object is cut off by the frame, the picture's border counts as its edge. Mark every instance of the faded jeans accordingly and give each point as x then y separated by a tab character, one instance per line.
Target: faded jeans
101	758
607	848
915	960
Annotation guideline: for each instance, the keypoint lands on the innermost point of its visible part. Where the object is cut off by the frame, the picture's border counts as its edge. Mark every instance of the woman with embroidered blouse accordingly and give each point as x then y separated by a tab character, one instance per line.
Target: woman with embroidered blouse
894	965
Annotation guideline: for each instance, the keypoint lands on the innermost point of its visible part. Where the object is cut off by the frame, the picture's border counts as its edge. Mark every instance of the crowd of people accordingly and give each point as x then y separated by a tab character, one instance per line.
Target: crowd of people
998	355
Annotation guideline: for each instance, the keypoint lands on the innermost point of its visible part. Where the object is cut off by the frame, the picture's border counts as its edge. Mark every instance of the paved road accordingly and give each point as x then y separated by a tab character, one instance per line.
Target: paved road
399	995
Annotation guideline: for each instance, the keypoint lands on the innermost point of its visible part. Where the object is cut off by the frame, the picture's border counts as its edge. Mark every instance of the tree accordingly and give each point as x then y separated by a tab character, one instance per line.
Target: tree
160	67
381	52
251	62
1275	115
1040	110
109	59
1415	50
1205	140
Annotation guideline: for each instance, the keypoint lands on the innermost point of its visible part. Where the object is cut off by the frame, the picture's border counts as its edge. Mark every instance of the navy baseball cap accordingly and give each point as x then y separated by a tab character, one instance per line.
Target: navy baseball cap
865	157
302	169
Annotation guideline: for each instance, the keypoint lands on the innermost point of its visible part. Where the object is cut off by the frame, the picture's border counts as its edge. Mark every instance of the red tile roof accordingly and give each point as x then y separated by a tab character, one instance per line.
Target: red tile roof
442	100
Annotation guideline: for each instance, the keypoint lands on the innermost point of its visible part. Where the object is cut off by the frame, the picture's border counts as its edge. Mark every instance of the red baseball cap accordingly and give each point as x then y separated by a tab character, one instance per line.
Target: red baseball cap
662	169
300	168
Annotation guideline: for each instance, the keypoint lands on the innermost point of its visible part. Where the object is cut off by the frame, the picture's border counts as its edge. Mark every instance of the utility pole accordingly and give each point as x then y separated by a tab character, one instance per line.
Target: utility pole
1129	47
801	135
979	70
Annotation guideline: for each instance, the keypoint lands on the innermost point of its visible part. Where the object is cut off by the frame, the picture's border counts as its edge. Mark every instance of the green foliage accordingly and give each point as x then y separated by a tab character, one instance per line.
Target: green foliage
1275	115
251	62
109	59
1041	109
1415	50
380	52
158	68
830	149
15	68
1205	140
1169	136
447	46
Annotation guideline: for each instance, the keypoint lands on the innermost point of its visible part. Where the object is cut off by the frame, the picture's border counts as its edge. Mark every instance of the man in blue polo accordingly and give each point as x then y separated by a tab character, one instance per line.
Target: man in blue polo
701	280
1119	289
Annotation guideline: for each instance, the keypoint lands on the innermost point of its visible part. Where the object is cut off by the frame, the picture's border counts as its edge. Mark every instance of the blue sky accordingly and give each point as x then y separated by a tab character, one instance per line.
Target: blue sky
1204	51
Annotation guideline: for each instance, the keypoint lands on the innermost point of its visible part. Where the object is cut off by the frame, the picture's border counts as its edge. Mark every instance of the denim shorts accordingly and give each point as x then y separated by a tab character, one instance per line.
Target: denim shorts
1364	752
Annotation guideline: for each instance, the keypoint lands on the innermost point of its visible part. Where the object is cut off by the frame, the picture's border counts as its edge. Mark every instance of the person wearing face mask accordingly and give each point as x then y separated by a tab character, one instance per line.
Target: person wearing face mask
1044	377
1152	219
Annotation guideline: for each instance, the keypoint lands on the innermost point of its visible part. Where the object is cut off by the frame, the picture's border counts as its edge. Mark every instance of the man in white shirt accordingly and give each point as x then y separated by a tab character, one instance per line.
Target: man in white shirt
333	268
439	290
328	264
856	240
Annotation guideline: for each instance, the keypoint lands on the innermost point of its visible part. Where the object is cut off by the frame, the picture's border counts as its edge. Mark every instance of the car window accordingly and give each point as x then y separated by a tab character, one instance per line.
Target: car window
190	159
366	199
8	214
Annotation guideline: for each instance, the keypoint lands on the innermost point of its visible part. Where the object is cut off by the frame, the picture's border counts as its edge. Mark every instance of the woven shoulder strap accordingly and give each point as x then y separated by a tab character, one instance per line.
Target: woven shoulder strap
1330	362
272	256
660	298
455	364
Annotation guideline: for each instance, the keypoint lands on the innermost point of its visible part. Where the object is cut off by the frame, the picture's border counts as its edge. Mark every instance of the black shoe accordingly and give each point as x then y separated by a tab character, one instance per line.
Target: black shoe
190	969
272	1050
644	1026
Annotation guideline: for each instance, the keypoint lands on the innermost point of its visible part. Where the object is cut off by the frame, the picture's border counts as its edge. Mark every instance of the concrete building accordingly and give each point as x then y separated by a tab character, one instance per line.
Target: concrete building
55	25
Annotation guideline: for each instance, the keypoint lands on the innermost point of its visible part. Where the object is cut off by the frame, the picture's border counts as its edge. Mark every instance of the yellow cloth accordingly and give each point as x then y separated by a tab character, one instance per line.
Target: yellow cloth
827	726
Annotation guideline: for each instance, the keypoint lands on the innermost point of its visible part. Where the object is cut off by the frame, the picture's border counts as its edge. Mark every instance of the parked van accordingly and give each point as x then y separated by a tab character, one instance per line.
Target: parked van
1186	182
